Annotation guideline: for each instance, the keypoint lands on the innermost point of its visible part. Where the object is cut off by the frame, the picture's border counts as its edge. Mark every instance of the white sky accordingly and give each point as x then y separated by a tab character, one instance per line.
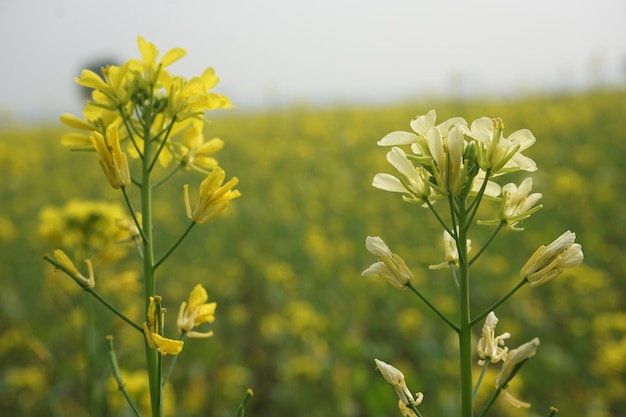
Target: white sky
273	52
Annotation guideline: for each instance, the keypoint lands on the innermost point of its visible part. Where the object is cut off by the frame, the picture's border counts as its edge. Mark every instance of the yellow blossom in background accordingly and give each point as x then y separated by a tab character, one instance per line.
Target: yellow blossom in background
213	196
196	311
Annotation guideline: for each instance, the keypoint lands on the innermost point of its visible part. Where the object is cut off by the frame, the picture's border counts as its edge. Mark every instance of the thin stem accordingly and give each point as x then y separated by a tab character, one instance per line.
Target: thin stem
492	399
152	356
94	293
162	145
118	377
553	411
473	207
433	308
439	219
129	130
242	406
493	235
500	301
132	212
480	377
170	365
465	333
175	245
415	410
167	177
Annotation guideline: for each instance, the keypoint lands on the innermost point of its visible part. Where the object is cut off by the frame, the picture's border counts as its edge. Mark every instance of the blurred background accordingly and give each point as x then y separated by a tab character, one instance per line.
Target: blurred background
315	85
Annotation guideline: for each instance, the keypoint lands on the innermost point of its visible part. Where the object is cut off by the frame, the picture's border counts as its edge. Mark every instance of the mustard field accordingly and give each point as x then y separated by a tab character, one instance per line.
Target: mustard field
295	320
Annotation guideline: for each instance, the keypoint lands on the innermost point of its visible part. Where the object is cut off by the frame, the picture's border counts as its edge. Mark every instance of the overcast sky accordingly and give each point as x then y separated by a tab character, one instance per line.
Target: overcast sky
274	52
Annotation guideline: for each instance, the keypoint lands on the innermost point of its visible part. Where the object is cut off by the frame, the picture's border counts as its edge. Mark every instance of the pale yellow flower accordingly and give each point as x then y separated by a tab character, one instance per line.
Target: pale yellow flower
413	182
517	204
390	266
549	262
396	378
490	346
514	359
498	153
451	252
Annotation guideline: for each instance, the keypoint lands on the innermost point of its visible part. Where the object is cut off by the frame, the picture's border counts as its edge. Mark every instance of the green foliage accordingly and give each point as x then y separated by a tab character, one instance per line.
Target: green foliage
295	320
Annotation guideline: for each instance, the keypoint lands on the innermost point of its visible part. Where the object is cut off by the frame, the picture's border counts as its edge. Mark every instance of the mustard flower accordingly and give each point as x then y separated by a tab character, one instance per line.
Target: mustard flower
412	181
149	66
194	153
112	160
512	363
196	311
498	153
214	197
389	266
111	92
70	269
153	326
420	125
451	252
396	378
517	204
489	345
548	262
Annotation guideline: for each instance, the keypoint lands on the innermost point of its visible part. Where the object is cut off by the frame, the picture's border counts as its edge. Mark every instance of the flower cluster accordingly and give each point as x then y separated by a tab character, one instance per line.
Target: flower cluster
140	100
452	159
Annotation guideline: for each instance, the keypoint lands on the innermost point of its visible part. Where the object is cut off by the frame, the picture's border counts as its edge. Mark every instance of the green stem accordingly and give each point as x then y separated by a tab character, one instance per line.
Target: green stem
433	308
439	219
492	399
162	144
500	301
175	245
118	377
480	377
94	293
152	356
132	212
493	235
170	365
473	207
242	407
465	333
167	177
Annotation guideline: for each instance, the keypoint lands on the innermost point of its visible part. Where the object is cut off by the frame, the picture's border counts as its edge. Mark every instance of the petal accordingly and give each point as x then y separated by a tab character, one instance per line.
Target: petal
172	56
398	138
422	123
388	182
524	137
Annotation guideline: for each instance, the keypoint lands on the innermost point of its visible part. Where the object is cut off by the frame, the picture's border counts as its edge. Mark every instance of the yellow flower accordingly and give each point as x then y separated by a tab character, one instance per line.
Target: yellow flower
112	160
489	345
548	262
65	263
213	196
390	266
194	153
396	379
196	311
149	66
153	326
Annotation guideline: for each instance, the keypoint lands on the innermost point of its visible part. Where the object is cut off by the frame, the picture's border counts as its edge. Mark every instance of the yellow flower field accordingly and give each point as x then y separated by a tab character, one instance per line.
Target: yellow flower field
295	320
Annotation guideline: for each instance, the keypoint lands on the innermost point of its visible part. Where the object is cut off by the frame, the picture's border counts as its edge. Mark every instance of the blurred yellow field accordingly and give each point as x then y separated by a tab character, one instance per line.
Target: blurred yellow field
295	320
